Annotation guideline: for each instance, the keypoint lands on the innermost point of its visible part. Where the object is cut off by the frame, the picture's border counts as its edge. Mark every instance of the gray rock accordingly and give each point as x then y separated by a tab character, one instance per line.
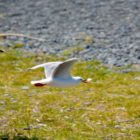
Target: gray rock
113	24
25	88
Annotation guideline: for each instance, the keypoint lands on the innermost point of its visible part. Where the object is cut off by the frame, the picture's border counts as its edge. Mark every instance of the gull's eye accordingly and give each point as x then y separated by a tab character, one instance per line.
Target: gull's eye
81	79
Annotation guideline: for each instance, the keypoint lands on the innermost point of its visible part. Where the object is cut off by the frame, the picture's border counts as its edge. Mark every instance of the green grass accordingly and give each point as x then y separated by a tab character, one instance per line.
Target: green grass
106	109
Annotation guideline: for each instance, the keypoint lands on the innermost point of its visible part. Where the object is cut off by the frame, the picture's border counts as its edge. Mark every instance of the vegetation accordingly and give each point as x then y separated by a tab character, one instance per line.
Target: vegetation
106	109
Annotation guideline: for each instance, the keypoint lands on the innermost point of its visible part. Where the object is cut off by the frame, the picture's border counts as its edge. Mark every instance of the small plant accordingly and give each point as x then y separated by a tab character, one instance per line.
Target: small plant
4	137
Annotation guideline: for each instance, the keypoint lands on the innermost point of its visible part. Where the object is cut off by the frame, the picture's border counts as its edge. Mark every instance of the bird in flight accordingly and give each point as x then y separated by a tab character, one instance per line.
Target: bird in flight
58	74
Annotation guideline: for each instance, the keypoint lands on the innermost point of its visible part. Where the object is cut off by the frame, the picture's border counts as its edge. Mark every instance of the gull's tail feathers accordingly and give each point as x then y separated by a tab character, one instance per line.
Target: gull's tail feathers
43	81
34	82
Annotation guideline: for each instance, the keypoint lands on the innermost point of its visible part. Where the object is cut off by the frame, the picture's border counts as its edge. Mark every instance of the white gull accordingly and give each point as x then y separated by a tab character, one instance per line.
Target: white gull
58	74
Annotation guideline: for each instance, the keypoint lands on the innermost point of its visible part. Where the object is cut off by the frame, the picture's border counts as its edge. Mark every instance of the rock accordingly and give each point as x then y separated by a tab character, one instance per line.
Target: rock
25	88
117	126
113	24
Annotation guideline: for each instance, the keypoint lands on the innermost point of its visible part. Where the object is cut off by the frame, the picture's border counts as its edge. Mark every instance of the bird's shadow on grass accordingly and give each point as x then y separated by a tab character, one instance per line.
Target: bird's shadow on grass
17	137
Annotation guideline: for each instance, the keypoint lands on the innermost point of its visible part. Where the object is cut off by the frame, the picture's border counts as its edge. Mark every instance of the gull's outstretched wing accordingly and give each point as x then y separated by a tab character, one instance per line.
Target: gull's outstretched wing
64	68
49	68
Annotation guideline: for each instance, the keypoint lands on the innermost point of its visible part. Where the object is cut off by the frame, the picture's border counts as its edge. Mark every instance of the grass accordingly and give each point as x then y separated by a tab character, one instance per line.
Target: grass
106	109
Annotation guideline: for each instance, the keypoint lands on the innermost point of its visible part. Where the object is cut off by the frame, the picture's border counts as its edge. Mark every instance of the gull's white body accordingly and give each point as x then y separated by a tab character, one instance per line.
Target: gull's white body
58	82
58	74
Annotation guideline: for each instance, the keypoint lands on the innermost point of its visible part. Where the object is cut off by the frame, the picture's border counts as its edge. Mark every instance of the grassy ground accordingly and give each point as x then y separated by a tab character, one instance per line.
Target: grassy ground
106	109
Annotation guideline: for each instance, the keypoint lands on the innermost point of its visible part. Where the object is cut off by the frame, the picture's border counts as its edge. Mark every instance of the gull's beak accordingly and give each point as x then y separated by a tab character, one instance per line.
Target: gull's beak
2	51
87	80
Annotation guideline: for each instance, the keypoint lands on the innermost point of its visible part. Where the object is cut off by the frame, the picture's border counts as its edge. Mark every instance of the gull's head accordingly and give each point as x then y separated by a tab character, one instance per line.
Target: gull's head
80	79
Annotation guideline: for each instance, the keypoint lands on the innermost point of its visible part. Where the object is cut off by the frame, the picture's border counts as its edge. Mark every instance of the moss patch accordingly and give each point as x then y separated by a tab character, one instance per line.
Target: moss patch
107	108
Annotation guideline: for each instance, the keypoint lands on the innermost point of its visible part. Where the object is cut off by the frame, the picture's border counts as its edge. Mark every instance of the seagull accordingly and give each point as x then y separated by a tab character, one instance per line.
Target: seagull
58	74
